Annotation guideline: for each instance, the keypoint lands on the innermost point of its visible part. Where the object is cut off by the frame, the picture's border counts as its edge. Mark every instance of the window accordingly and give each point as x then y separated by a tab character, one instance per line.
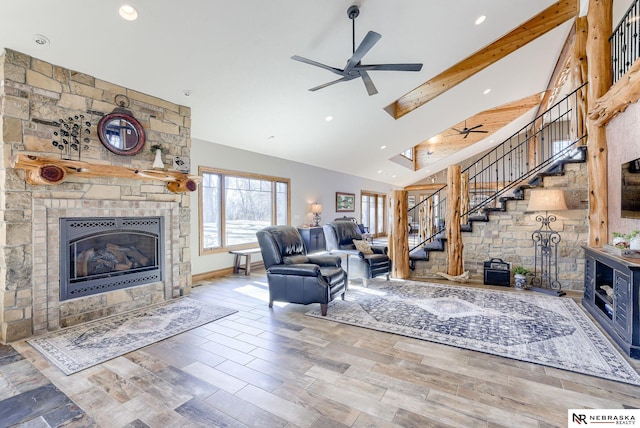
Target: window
373	213
235	205
408	153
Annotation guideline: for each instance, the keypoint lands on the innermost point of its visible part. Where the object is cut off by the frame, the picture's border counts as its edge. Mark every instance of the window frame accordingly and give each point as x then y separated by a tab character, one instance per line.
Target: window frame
380	227
222	173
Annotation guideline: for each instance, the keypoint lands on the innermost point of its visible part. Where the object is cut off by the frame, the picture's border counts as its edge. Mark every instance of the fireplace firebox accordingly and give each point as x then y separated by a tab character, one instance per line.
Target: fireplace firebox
100	254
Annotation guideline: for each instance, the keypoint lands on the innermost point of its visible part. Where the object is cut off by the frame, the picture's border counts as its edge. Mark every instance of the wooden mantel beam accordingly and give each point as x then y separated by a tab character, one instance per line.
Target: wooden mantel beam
49	171
550	18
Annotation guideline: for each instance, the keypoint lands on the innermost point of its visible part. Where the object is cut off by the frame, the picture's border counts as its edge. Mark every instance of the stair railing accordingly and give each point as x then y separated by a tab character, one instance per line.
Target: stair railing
624	42
546	139
430	213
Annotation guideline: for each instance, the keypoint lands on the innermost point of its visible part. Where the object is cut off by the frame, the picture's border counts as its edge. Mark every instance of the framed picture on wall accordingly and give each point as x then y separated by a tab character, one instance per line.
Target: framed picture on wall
345	202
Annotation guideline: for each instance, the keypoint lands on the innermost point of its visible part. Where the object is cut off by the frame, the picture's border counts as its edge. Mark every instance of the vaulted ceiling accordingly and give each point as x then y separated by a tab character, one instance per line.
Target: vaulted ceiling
233	59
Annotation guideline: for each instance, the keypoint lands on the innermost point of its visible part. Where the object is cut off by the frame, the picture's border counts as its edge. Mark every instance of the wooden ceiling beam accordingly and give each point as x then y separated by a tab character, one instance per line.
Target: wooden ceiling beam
550	18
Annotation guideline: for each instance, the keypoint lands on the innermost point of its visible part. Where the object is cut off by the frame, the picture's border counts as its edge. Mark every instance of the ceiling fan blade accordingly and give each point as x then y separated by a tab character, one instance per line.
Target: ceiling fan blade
459	131
368	83
317	64
481	132
390	67
367	43
474	127
324	85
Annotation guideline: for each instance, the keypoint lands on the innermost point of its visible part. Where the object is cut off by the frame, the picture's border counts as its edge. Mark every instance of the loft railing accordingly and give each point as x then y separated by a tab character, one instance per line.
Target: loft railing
547	138
625	48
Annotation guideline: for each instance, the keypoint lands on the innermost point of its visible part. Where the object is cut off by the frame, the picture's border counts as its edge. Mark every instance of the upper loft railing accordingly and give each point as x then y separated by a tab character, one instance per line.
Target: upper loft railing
546	139
625	42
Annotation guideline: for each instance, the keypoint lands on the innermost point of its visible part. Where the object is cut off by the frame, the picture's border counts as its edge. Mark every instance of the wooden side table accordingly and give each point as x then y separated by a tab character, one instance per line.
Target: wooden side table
237	261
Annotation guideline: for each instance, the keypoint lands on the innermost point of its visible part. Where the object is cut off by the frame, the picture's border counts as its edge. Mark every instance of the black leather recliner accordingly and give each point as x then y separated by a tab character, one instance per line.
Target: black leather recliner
296	277
339	236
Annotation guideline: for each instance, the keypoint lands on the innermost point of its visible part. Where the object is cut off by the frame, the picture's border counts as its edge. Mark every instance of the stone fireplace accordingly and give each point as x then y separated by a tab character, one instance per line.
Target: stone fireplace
34	96
50	311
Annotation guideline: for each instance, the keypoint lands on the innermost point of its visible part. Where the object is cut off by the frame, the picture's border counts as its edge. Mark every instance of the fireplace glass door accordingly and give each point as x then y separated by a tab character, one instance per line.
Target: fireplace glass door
104	254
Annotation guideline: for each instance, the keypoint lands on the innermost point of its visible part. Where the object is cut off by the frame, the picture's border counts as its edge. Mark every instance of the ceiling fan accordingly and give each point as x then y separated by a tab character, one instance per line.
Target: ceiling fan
466	131
354	67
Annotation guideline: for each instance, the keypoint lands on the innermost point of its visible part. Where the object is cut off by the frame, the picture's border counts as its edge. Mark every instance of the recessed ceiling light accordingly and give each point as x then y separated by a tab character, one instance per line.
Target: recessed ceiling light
486	91
186	92
271	138
41	40
128	12
379	171
480	19
383	147
328	118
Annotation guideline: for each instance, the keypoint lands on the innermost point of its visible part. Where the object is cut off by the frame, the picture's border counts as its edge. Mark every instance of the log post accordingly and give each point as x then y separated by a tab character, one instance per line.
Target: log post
423	218
579	76
598	51
399	235
431	225
454	236
464	197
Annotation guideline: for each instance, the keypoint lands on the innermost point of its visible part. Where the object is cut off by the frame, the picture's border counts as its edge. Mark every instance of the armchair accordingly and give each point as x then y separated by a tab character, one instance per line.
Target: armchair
296	277
372	262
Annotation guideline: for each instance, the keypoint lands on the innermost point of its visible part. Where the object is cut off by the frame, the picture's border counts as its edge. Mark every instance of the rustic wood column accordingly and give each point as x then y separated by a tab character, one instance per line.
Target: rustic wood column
464	197
454	236
399	235
423	218
599	71
431	226
579	76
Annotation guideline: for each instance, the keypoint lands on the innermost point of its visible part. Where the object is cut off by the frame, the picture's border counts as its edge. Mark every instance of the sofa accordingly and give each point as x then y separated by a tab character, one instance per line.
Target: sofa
343	237
294	276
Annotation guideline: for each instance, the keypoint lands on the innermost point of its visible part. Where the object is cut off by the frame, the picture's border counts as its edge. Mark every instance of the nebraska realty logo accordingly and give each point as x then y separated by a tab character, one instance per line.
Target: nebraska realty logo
602	417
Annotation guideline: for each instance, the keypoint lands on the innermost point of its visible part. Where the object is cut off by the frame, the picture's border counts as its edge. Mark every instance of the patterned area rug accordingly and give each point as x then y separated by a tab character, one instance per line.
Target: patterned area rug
79	347
524	326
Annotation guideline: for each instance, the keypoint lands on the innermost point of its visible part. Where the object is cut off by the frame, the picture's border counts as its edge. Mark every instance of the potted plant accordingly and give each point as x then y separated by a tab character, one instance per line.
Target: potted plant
619	240
520	276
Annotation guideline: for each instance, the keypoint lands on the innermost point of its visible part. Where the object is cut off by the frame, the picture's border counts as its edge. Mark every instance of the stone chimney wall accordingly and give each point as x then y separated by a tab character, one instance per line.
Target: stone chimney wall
34	96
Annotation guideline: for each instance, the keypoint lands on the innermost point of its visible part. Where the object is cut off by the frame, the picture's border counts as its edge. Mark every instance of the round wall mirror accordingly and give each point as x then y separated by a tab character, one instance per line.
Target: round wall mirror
121	133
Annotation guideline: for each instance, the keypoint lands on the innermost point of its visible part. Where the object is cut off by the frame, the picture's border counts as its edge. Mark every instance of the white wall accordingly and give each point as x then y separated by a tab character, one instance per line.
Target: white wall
308	184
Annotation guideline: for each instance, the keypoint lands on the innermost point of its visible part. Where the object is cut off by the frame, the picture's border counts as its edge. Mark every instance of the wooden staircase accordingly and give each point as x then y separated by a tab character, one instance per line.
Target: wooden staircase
556	168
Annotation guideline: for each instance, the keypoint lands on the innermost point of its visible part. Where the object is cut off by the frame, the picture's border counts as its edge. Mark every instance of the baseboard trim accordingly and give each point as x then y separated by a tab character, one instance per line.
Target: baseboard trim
219	273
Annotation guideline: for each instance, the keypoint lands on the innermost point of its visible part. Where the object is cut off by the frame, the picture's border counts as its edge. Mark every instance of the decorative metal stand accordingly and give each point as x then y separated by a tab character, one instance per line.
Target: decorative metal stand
545	241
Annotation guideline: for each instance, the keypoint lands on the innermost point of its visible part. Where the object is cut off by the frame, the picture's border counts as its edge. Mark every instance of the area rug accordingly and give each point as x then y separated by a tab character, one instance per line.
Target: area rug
76	348
522	325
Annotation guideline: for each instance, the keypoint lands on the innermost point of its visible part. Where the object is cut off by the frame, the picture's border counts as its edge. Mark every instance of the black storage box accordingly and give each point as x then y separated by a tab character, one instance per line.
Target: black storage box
497	272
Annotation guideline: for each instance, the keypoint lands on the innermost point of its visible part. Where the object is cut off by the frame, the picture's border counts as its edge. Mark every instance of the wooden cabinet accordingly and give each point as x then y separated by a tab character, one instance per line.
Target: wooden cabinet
612	296
313	238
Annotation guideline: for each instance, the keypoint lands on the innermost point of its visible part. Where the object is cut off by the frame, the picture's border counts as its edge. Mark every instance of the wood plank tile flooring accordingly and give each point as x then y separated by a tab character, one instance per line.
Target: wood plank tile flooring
280	368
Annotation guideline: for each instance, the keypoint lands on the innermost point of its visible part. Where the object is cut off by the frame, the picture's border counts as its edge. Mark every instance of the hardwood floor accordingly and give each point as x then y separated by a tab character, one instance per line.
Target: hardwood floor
280	368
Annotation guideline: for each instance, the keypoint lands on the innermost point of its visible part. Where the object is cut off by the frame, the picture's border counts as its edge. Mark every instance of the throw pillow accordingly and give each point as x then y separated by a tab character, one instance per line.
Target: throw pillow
362	246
